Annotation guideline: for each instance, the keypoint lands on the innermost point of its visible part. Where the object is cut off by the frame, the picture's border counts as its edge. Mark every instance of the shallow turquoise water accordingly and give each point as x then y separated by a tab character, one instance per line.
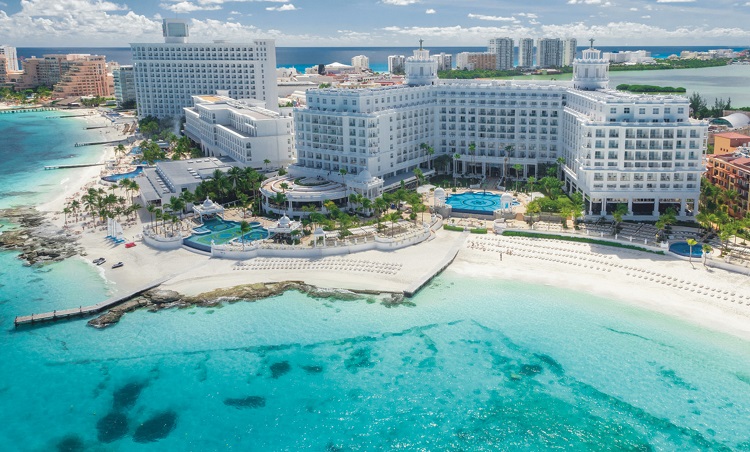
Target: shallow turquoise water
475	365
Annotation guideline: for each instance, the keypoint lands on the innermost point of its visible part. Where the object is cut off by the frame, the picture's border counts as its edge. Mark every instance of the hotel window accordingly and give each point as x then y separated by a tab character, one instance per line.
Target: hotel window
641	111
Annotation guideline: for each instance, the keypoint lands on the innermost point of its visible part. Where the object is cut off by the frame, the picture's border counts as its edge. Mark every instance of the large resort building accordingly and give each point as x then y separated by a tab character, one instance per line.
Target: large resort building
618	148
168	74
243	130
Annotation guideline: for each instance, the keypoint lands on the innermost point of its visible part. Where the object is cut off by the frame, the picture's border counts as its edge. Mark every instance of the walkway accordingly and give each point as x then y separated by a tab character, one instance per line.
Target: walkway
83	311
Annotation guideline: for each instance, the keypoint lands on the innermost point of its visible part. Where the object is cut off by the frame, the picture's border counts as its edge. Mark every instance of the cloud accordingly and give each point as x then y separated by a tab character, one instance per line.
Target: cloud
675	1
400	2
492	18
430	11
187	7
285	7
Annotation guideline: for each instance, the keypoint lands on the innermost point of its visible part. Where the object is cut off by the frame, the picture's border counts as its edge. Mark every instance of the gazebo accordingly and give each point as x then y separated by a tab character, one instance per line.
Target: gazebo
208	207
285	227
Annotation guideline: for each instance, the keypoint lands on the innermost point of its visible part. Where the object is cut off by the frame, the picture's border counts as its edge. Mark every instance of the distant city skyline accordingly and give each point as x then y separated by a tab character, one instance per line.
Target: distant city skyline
28	23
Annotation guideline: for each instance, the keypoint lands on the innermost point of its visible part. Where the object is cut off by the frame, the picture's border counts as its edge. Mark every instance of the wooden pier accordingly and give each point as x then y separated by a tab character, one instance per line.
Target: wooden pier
26	110
75	165
99	142
436	270
83	311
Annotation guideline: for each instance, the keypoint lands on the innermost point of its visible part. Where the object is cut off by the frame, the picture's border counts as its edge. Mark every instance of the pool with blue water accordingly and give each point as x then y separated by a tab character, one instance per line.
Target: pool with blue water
223	231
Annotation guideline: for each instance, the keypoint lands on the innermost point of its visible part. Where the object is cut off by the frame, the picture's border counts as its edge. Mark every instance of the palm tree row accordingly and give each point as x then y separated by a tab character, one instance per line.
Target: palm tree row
100	205
716	213
230	186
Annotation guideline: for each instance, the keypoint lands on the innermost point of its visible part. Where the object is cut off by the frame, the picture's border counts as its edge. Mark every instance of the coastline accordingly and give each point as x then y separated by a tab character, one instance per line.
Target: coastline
198	273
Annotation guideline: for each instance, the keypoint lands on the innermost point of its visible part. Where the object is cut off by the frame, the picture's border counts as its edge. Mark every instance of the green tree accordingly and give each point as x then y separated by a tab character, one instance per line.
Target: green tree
691	243
244	229
706	248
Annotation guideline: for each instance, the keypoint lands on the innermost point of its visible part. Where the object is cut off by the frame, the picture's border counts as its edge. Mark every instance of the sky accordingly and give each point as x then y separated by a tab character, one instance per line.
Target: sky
377	23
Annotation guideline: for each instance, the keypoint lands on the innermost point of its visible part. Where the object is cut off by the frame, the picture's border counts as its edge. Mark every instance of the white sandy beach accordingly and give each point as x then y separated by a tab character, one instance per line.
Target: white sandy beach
664	284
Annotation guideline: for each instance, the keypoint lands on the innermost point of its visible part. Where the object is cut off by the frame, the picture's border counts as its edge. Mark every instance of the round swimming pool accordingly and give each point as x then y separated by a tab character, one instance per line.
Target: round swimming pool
475	202
683	249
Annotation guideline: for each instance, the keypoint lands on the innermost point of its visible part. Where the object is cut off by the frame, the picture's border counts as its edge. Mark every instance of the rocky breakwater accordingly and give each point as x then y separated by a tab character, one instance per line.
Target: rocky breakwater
157	299
38	240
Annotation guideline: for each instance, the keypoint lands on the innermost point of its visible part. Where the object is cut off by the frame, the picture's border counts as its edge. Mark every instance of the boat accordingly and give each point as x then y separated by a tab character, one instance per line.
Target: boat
118	265
99	261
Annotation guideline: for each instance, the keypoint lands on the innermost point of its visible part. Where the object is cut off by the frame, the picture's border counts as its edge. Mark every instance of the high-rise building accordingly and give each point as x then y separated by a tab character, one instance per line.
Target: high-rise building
361	63
11	58
503	50
396	64
643	151
168	75
570	47
69	75
124	80
445	61
549	52
526	52
480	61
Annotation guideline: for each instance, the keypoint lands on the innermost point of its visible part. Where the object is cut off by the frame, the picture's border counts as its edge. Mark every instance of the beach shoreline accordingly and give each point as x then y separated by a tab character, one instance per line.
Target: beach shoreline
198	273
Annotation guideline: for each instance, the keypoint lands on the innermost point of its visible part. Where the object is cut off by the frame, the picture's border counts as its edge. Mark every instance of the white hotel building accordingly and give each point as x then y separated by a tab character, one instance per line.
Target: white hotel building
242	130
643	151
168	75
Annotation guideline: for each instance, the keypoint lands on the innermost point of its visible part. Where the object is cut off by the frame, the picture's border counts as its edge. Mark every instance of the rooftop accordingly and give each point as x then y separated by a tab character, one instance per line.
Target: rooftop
731	135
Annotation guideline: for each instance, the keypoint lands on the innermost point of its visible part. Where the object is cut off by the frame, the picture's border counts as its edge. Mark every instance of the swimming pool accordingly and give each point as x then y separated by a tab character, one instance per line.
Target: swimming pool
118	177
476	203
683	249
222	231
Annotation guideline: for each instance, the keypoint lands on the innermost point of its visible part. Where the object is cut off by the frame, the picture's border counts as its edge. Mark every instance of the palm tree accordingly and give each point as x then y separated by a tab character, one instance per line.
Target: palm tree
472	153
419	175
517	168
393	217
531	180
235	176
560	162
244	229
456	158
706	248
74	206
691	243
66	210
279	199
151	210
284	186
381	205
343	172
266	162
243	201
176	204
366	205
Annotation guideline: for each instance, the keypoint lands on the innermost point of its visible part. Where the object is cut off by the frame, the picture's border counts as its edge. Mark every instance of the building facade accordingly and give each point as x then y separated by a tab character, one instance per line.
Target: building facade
526	52
396	64
503	50
444	60
69	75
549	52
732	172
124	80
11	58
642	151
480	61
570	47
728	142
243	131
361	63
168	74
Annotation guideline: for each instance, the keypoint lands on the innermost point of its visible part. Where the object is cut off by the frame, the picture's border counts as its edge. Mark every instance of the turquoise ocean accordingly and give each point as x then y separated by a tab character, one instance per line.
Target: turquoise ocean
475	364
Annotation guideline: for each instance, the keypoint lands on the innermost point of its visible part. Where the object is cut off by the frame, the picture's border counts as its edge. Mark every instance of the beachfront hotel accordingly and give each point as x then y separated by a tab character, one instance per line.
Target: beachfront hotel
124	81
240	129
71	75
642	151
168	74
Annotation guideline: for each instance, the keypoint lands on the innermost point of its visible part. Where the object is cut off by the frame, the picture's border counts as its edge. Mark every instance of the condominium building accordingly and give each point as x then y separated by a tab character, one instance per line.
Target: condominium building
732	172
641	151
629	56
570	47
396	64
124	80
526	52
483	61
69	75
361	63
549	52
503	50
242	130
168	74
11	58
444	60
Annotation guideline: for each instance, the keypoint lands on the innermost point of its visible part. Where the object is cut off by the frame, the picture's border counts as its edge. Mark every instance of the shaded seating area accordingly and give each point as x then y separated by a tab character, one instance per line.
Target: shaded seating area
208	209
